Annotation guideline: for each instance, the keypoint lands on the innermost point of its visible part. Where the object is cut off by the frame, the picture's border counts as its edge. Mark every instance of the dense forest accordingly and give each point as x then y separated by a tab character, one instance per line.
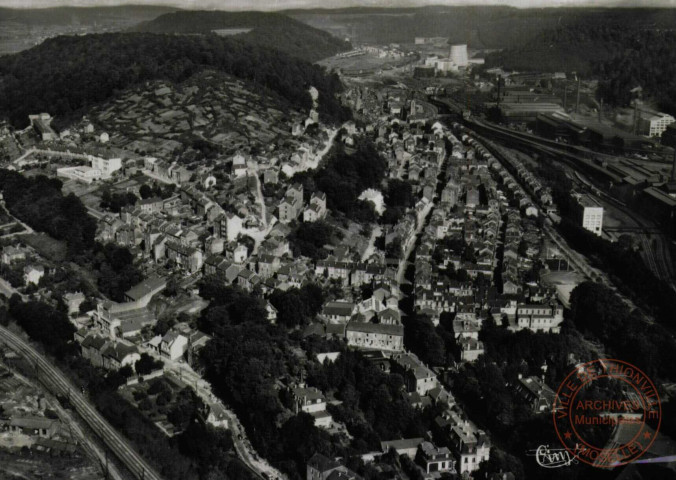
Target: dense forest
68	74
622	57
267	29
480	26
38	201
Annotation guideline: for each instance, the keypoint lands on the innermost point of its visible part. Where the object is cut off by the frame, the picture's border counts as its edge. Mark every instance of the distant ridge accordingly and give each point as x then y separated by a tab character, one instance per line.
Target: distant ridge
87	15
489	27
272	30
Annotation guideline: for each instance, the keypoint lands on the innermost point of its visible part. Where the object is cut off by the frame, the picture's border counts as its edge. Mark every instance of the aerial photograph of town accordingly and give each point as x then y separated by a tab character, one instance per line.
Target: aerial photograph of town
338	239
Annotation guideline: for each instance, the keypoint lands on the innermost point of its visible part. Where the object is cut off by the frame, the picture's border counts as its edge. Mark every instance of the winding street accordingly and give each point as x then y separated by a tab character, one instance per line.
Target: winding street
243	447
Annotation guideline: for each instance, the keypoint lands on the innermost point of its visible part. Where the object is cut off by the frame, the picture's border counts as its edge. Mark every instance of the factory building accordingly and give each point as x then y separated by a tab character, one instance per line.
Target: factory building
653	124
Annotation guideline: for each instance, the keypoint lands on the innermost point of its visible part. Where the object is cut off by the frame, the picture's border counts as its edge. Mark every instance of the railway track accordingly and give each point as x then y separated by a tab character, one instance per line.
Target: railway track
59	384
658	259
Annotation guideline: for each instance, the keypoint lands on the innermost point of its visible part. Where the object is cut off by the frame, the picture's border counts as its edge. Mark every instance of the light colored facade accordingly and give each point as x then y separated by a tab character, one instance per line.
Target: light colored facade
434	459
459	55
375	336
592	214
33	274
230	226
538	318
107	166
655	123
173	345
308	400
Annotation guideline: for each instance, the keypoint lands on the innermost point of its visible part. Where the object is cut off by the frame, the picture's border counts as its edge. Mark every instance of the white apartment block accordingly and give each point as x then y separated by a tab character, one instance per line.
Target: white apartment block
655	123
106	165
592	214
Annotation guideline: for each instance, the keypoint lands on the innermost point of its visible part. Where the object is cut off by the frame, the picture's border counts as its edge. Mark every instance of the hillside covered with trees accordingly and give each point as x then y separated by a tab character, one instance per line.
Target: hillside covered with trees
620	56
66	75
266	29
484	26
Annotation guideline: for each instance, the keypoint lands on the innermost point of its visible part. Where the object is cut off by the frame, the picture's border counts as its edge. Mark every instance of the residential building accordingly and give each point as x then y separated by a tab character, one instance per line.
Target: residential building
173	345
33	273
434	459
107	166
42	125
470	445
316	209
418	377
470	349
377	336
73	301
230	226
339	312
12	254
118	355
538	318
292	204
404	446
110	317
320	467
308	399
535	393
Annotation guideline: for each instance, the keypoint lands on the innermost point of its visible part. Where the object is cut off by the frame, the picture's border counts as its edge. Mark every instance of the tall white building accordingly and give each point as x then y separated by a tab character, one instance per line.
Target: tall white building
653	124
459	55
592	214
106	165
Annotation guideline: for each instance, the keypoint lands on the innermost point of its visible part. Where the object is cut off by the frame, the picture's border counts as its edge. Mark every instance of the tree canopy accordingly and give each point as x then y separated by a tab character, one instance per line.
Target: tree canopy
66	75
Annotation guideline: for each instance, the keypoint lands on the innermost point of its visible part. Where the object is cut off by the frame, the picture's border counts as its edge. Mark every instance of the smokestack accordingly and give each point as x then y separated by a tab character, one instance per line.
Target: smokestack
577	102
637	116
499	81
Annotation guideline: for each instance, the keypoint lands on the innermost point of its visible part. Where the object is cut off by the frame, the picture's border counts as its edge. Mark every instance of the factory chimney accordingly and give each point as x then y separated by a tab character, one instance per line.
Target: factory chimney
577	101
637	117
499	82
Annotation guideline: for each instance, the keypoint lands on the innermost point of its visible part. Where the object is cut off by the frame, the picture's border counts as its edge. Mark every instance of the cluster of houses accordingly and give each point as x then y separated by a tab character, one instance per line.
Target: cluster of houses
473	213
480	223
467	445
292	206
533	184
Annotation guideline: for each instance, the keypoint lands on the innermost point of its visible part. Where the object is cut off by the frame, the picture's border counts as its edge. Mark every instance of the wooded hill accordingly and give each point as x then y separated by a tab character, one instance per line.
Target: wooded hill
620	56
271	30
67	74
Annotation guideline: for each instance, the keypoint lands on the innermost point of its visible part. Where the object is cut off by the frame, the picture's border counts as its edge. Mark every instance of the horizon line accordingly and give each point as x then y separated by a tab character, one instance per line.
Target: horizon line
584	4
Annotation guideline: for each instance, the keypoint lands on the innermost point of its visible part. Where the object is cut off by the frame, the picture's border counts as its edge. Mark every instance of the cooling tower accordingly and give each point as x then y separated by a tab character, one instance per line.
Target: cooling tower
459	55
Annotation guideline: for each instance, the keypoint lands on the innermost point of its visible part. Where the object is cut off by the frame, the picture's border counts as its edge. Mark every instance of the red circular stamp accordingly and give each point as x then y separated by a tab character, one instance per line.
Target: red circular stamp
607	413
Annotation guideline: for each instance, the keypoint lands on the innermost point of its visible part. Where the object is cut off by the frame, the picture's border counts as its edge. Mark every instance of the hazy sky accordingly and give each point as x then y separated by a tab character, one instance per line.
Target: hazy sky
283	4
